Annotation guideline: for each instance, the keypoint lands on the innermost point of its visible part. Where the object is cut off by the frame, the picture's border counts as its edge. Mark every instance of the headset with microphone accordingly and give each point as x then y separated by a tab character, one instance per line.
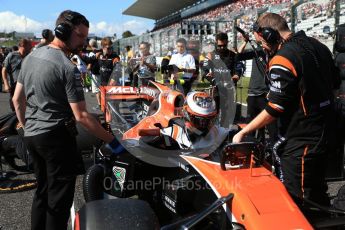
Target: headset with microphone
64	29
270	35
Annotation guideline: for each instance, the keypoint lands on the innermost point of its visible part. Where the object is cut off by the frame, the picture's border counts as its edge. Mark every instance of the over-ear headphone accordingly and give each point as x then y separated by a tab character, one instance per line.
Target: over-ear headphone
271	36
63	30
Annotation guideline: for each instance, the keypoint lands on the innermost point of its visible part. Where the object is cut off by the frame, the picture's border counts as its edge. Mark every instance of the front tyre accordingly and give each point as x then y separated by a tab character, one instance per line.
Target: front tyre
121	214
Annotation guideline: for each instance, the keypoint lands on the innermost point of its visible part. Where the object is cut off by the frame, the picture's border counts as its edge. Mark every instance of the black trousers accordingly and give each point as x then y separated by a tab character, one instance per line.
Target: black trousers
255	105
304	153
303	167
56	164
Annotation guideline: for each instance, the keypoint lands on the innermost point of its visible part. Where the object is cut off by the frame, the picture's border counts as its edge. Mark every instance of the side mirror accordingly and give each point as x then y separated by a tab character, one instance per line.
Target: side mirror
240	155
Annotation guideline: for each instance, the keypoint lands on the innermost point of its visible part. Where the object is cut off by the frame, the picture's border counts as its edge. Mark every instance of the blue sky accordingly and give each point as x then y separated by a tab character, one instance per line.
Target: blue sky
105	16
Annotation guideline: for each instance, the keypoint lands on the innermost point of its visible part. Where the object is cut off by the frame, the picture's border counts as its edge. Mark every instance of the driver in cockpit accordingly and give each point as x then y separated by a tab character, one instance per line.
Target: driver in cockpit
200	114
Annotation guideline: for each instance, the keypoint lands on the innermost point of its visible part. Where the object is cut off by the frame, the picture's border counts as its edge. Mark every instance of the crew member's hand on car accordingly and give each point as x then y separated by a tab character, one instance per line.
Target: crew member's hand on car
114	147
238	137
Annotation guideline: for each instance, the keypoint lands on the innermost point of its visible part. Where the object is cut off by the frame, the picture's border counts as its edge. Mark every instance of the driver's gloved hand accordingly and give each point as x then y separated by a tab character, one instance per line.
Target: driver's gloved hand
114	147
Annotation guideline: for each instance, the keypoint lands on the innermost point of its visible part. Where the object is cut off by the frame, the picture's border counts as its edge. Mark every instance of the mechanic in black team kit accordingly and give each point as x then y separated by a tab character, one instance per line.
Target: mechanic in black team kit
219	69
302	76
48	99
220	57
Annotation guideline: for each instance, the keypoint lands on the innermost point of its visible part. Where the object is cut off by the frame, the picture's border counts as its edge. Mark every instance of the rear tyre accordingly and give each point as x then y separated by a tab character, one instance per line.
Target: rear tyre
93	183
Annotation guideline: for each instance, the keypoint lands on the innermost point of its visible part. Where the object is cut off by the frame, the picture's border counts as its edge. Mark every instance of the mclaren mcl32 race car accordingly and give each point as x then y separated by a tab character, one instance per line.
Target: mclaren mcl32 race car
176	168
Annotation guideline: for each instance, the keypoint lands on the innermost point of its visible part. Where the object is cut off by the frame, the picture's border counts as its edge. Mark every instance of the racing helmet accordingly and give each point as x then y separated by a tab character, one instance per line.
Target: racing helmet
201	109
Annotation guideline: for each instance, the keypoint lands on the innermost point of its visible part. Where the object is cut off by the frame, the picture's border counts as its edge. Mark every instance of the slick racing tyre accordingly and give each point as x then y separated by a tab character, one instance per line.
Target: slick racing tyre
93	183
121	214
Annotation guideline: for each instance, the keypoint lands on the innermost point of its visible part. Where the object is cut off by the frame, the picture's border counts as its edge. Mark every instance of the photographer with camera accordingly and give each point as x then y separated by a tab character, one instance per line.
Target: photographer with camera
48	99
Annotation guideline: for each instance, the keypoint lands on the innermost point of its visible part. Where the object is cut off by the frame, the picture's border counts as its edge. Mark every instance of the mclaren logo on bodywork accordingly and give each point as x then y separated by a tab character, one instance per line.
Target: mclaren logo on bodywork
132	90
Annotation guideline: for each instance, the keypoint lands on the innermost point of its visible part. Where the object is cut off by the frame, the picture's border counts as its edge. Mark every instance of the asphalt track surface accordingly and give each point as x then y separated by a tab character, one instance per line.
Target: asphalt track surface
15	208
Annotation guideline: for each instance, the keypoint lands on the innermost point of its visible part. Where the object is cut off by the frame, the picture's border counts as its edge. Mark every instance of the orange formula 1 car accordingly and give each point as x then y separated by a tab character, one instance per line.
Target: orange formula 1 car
178	170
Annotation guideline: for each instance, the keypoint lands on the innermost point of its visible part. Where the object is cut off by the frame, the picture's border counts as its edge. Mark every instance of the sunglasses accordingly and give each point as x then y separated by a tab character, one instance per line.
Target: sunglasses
222	46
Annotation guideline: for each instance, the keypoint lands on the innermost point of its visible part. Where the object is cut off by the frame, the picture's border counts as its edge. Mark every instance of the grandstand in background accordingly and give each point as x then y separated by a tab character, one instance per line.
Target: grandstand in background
318	18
